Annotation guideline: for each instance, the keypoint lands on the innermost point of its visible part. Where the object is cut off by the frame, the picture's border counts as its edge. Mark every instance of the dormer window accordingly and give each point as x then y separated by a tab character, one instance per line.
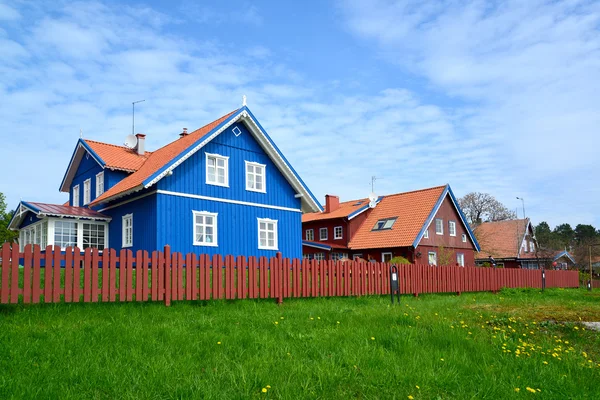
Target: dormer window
384	224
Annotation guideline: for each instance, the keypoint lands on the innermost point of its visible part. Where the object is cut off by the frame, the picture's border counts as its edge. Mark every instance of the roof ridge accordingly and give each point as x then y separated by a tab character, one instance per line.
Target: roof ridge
116	145
414	191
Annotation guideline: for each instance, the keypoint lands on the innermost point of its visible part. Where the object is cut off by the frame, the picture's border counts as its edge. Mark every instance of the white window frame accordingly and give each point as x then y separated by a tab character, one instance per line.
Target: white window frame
532	246
76	197
460	259
217	157
99	183
335	232
426	234
87	191
215	225
275	235
321	230
124	242
464	238
452	228
441	226
319	256
429	258
312	235
385	254
264	176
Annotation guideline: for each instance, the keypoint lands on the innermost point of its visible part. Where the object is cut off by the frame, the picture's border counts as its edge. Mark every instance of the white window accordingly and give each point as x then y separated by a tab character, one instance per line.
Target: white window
267	234
432	258
255	177
310	234
86	191
76	196
319	256
127	231
386	257
439	226
452	228
94	235
217	170
308	256
205	229
531	246
426	234
460	259
337	256
323	234
464	238
99	183
65	234
337	232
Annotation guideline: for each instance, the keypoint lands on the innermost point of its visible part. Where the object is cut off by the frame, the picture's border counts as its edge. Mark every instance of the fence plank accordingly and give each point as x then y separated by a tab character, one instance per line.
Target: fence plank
48	275
216	275
105	275
69	274
204	277
112	284
77	263
129	278
6	249
263	277
242	290
145	277
37	262
180	282
160	276
154	276
167	276
252	288
174	275
14	284
139	277
189	284
95	262
87	275
229	277
122	274
27	259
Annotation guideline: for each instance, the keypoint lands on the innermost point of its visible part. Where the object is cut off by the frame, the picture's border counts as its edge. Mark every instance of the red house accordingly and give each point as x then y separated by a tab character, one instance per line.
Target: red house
424	226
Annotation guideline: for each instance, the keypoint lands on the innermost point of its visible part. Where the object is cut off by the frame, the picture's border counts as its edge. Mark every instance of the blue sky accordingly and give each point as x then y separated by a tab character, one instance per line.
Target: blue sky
497	97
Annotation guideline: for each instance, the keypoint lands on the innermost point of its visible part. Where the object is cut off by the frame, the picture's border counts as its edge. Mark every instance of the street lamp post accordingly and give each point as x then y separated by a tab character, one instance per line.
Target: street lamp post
591	270
523	202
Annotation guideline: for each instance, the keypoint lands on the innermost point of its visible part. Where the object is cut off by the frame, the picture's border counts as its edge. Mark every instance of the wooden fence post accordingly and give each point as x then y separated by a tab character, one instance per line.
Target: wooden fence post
166	289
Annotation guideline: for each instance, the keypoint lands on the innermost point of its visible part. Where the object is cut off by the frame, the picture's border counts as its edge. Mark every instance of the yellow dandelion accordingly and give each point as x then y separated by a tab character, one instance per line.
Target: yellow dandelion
311	318
417	386
268	386
546	362
372	338
441	359
530	389
218	342
517	390
338	322
280	317
410	397
264	390
318	317
276	322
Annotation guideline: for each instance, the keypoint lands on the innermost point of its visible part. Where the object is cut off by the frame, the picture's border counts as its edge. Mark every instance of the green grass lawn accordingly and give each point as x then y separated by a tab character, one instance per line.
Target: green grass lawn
435	346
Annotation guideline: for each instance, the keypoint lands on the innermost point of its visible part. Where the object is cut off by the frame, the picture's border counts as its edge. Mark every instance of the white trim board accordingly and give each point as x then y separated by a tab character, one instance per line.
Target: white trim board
239	202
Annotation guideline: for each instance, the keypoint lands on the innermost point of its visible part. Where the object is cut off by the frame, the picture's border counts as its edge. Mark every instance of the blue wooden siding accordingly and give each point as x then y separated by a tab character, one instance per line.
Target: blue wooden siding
190	176
88	169
237	227
144	213
30	219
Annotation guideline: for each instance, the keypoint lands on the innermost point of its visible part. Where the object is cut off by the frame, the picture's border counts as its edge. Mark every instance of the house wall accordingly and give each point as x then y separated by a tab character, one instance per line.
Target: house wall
329	224
449	251
88	169
30	219
447	212
190	176
237	227
144	212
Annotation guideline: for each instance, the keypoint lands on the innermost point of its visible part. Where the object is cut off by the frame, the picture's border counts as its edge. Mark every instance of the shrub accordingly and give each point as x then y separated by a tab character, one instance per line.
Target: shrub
399	260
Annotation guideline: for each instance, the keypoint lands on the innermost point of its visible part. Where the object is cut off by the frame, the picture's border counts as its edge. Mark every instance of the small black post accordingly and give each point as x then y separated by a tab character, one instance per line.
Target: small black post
543	279
394	284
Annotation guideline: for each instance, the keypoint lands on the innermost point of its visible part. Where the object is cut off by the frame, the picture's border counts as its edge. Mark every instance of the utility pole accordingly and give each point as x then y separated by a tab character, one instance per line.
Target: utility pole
523	202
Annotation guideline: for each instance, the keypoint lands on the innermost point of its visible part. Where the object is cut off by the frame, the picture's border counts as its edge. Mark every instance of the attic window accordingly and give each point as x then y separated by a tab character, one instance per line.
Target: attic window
358	203
236	131
384	224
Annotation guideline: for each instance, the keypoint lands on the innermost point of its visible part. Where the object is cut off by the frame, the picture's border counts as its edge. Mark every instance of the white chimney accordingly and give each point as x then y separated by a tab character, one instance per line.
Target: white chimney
141	143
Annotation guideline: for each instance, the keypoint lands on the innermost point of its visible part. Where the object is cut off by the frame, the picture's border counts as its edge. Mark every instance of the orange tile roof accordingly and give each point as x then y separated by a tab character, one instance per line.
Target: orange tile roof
346	208
502	239
158	159
411	209
118	157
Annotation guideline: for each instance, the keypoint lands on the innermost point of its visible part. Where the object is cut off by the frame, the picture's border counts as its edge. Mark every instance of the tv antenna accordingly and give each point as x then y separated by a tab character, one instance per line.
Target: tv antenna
133	115
373	179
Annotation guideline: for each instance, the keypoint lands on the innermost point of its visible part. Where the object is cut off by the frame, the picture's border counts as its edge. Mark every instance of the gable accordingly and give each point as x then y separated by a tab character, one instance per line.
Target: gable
81	153
163	161
190	176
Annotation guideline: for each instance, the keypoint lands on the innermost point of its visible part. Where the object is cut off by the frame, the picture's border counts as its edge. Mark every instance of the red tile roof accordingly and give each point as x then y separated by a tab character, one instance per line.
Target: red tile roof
158	159
502	239
346	208
57	209
411	209
118	157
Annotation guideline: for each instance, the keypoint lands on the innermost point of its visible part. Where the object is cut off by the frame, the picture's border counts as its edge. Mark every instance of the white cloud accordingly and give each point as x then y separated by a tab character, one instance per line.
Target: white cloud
528	72
8	13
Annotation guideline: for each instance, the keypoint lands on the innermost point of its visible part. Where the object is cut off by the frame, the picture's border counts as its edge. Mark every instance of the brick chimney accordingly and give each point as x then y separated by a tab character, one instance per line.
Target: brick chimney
141	143
332	203
184	133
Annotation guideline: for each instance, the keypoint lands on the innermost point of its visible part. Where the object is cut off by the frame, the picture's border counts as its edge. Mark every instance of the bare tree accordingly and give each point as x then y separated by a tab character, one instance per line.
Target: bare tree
483	207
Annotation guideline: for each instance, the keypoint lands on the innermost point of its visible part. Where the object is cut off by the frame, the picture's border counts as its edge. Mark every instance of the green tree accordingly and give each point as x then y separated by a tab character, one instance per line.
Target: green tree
6	235
543	234
564	234
585	233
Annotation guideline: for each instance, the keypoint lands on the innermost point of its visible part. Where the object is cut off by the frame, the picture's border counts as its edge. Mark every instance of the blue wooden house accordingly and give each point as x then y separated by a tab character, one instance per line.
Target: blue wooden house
223	189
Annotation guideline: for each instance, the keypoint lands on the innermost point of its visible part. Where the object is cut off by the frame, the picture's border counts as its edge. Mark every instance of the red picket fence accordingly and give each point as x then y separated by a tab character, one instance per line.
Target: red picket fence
93	276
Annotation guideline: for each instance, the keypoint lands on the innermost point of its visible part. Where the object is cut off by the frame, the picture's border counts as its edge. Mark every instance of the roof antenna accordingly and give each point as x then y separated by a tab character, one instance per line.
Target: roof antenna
133	115
373	179
80	133
244	101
